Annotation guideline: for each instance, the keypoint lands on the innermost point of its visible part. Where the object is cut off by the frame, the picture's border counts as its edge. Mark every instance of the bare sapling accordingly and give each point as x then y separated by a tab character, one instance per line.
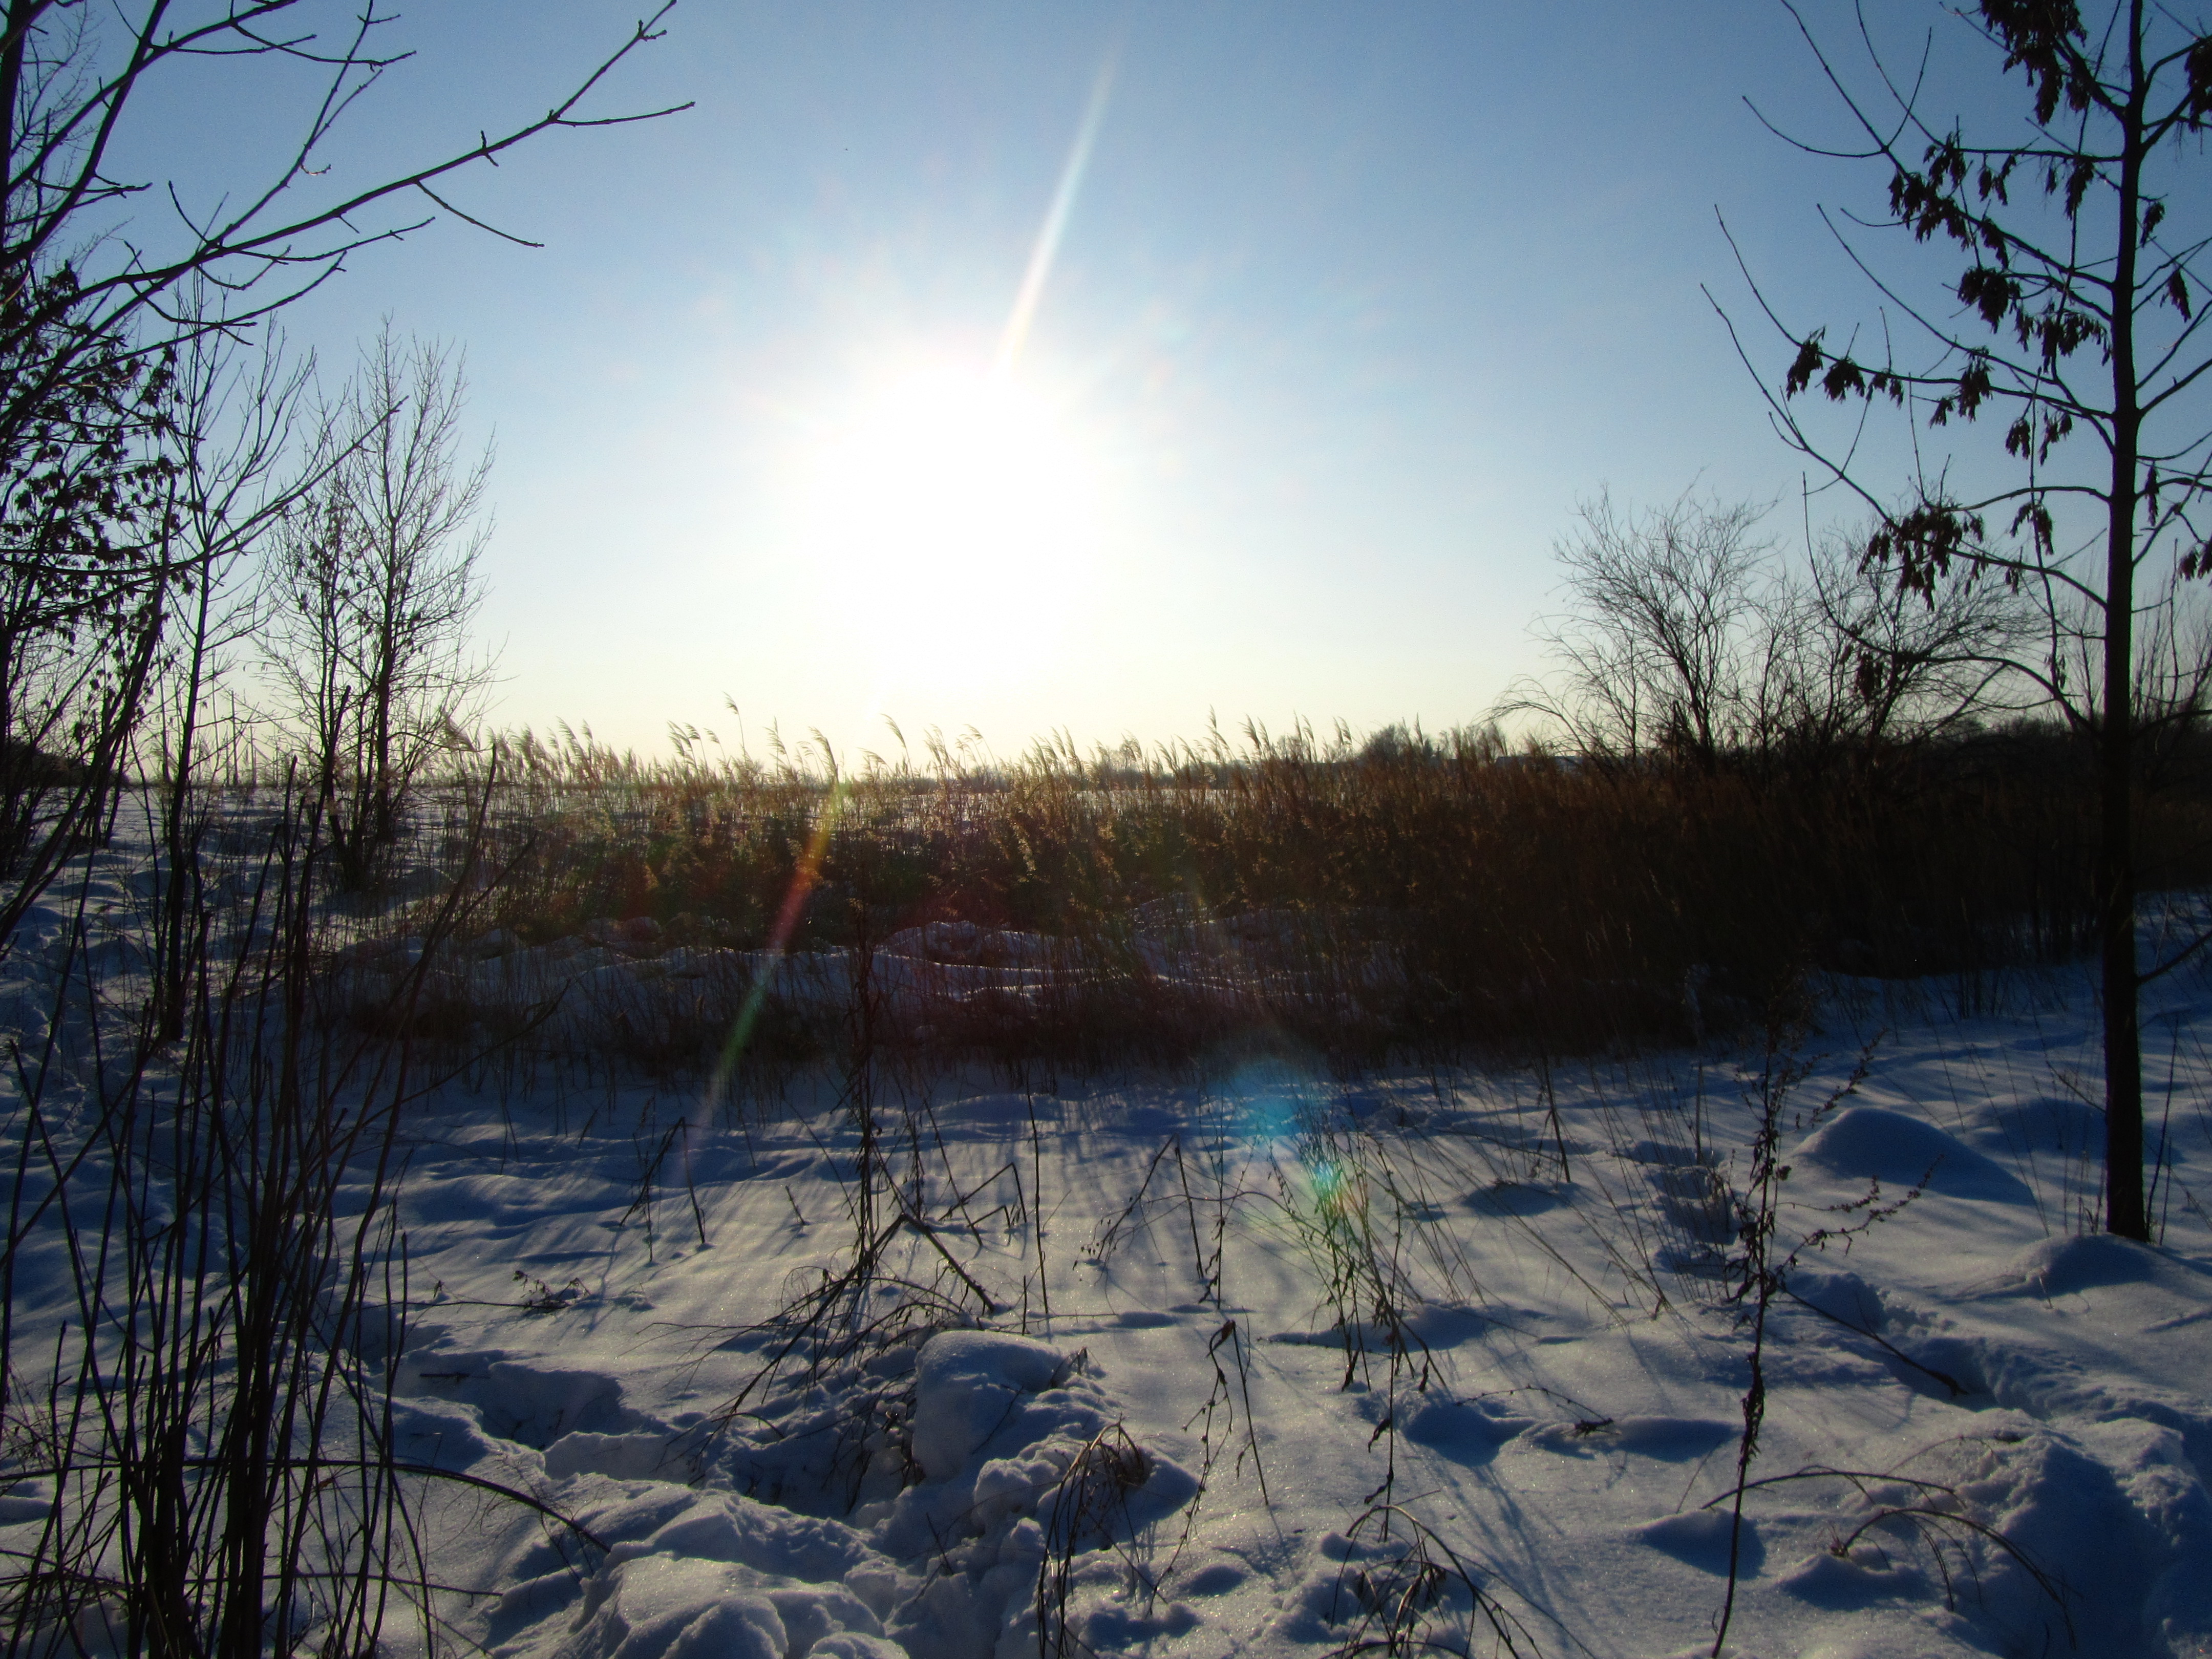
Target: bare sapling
2073	234
1757	1274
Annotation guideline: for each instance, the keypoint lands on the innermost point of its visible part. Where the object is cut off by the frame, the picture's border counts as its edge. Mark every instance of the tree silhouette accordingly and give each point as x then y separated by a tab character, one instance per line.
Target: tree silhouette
106	281
2072	325
372	587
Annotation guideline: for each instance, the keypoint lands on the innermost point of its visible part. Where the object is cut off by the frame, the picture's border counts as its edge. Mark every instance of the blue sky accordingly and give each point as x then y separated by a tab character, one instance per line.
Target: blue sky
1351	305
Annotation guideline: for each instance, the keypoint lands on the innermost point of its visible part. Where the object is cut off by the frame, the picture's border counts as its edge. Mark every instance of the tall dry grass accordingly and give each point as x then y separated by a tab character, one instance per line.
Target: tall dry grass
1397	896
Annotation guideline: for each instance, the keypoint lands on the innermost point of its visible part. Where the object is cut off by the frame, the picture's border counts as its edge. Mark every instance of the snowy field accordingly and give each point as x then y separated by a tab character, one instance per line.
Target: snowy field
1262	1359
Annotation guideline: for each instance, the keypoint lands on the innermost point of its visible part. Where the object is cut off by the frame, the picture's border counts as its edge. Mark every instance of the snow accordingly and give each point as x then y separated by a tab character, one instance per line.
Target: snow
1275	1362
1869	1143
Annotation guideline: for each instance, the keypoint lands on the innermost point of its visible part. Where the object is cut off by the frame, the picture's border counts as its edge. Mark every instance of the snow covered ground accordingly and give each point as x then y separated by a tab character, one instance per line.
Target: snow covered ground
1264	1360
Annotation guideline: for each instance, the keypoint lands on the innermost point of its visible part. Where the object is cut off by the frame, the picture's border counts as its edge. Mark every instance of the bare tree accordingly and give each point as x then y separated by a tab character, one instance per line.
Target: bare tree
1686	636
68	90
372	590
1910	664
1650	654
237	475
97	303
2077	238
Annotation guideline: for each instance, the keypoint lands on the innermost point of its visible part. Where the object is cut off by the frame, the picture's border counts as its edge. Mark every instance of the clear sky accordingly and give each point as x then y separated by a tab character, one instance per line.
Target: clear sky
1094	367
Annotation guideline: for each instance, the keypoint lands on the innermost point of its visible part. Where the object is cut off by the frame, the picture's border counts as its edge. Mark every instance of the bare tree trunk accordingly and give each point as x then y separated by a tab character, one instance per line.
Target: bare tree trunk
2124	1130
179	846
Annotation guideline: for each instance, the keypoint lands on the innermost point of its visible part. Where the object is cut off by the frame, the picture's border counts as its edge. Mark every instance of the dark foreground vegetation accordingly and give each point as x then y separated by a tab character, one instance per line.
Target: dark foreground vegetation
213	1417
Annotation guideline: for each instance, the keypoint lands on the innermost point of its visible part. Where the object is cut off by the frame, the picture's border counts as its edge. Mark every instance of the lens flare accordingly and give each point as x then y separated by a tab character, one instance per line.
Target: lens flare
1328	1177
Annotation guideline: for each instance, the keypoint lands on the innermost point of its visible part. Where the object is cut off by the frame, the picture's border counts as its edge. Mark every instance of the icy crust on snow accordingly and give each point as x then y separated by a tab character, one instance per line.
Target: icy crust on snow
946	1567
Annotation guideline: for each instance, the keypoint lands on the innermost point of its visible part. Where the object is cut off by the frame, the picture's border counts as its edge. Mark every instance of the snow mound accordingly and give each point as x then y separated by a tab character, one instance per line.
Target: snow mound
1021	1457
1870	1143
1461	1429
973	1457
2068	1266
1669	1438
2119	1511
1701	1537
1843	1582
530	1404
1010	1454
1844	1297
713	1575
966	1382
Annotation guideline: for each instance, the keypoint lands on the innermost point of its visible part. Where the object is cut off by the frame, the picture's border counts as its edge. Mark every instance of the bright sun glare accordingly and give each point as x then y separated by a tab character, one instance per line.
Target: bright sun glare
954	518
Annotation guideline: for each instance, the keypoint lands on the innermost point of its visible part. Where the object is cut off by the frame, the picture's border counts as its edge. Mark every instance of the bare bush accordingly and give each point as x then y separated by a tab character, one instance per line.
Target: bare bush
1916	663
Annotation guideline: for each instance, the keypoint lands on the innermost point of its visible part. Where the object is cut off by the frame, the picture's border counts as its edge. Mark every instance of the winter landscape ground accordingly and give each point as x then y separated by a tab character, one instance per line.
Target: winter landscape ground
1259	1354
1710	1157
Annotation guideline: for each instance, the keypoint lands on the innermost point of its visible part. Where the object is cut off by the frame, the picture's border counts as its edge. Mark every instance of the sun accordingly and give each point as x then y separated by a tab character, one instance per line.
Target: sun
954	518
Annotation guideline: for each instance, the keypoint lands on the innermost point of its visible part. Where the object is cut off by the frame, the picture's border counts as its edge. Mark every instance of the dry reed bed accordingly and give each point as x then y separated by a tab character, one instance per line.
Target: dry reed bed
1421	899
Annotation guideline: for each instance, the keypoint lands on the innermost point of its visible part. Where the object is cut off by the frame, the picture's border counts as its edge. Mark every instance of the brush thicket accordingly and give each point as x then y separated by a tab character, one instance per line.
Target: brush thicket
205	1282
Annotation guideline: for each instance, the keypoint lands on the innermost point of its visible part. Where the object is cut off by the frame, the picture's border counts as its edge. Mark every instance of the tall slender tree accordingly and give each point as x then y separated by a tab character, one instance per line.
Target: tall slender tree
2069	324
237	474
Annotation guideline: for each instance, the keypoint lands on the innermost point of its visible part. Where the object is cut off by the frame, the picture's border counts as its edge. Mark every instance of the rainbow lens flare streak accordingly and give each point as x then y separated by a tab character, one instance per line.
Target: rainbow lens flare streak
804	878
1015	336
